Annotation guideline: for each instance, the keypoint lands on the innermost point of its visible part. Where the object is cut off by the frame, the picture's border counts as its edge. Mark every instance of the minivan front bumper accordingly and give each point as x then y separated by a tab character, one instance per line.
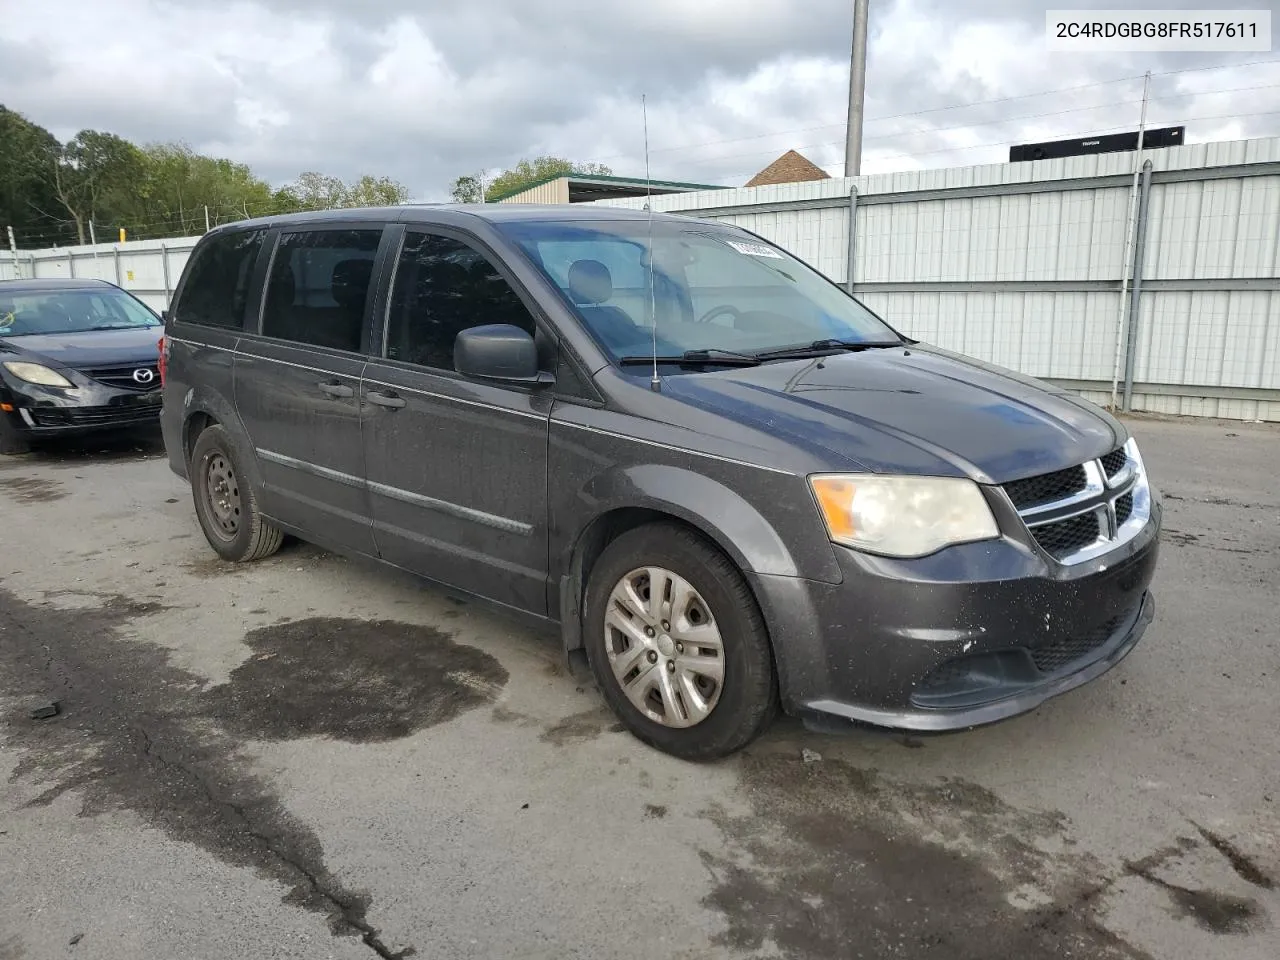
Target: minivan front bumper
970	636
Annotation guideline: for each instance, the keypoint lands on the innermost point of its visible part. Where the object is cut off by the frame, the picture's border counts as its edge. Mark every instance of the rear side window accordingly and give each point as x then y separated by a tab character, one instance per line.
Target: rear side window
442	287
216	291
319	287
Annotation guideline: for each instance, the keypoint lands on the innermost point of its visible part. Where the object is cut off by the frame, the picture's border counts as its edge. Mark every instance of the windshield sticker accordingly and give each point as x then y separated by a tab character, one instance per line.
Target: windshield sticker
754	249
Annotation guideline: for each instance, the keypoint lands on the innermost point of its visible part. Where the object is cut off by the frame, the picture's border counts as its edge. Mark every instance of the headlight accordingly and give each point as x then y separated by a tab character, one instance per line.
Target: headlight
902	516
36	373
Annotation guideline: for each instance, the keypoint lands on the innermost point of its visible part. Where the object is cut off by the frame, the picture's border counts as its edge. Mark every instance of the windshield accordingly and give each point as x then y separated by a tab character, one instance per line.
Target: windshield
713	288
24	313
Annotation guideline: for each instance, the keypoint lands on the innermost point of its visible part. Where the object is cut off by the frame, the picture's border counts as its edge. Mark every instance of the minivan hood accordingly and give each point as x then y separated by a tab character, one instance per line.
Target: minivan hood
918	410
91	348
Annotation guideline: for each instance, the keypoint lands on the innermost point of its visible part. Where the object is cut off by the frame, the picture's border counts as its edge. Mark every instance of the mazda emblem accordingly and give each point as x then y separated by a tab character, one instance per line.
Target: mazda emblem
143	375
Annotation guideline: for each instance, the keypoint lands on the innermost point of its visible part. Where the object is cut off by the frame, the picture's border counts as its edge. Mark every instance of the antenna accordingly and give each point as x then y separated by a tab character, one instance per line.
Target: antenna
654	384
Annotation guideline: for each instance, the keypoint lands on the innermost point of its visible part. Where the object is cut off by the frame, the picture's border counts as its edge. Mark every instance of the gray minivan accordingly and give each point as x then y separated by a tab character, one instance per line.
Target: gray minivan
727	484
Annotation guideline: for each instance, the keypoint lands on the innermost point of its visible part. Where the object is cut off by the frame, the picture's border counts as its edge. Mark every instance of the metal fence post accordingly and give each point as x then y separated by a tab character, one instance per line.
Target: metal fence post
1135	291
853	237
164	266
71	264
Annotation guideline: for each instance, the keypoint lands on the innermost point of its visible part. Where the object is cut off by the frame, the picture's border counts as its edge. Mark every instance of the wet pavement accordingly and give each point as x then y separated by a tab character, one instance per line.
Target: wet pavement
312	757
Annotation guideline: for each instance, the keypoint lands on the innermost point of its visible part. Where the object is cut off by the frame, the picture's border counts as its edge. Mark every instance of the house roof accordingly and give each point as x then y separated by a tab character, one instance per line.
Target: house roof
791	167
610	185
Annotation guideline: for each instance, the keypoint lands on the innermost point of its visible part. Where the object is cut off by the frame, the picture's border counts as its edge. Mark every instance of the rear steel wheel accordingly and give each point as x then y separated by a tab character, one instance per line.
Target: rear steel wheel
222	493
225	503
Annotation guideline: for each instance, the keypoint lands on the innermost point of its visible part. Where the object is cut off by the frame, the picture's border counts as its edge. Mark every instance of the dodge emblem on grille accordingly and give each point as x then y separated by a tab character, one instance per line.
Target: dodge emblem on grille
143	375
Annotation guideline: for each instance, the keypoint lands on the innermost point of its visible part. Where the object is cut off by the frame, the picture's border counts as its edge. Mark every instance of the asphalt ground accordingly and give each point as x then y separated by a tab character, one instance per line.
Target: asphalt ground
311	757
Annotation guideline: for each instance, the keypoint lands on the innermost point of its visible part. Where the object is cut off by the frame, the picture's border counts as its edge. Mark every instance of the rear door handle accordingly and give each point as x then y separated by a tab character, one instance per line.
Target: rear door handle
385	399
336	390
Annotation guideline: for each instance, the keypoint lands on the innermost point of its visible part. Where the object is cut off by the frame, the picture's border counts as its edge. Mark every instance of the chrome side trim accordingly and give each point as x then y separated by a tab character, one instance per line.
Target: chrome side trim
454	509
396	493
306	466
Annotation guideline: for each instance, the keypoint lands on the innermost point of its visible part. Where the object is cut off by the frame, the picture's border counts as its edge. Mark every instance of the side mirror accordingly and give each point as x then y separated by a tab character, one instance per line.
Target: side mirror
498	351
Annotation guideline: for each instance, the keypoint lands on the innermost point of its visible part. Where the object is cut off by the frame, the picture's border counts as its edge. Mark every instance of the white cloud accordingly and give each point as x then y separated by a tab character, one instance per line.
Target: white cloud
425	92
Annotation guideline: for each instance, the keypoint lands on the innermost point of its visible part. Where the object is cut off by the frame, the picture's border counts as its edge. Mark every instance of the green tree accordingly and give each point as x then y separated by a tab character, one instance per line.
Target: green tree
181	184
466	190
528	172
376	192
28	203
96	174
317	191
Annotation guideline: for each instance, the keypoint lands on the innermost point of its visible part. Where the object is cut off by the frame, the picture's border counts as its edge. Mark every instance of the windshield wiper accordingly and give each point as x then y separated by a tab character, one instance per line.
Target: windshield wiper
827	346
693	357
122	326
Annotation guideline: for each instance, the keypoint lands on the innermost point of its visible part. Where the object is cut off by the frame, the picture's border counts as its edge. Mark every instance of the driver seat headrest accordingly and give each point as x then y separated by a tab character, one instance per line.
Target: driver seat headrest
589	282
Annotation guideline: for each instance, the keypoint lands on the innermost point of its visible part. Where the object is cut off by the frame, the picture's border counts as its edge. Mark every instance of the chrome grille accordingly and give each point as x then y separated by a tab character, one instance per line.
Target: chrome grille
1067	536
1114	461
1124	508
122	376
1085	511
1046	488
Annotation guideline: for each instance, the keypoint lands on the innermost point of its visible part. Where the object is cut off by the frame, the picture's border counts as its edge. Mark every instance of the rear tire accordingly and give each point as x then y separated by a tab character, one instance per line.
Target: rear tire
691	674
11	441
226	505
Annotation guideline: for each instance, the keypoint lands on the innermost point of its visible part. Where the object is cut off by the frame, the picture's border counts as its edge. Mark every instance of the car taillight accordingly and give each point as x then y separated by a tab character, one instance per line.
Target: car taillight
163	348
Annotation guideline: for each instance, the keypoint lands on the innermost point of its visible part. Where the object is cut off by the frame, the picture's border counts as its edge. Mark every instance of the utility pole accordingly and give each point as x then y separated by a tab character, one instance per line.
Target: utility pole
206	218
857	90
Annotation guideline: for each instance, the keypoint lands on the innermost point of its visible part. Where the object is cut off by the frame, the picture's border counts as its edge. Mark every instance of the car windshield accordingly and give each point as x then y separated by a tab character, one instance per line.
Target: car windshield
29	312
710	288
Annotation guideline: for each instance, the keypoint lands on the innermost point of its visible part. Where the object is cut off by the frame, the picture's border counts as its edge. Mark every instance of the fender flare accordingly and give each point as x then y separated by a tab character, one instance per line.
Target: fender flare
719	513
221	411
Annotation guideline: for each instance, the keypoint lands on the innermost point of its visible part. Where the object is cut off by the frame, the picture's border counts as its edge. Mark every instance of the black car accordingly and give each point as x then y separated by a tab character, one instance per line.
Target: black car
726	483
76	357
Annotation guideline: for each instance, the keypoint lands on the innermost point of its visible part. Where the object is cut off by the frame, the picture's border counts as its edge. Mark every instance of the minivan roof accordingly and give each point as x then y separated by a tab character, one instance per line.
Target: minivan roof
458	213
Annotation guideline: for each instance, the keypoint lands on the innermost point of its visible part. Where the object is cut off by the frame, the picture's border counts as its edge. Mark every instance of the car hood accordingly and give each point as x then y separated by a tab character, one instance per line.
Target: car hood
918	410
93	348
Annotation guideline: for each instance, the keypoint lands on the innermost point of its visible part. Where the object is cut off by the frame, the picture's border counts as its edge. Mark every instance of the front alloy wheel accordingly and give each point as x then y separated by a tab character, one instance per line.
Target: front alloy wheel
677	643
664	647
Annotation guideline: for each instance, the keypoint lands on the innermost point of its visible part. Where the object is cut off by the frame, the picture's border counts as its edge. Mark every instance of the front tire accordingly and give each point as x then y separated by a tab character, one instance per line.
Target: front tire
678	645
225	502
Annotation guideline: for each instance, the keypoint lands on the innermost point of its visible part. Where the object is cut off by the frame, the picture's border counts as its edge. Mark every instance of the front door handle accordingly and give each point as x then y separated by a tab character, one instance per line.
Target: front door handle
385	399
336	390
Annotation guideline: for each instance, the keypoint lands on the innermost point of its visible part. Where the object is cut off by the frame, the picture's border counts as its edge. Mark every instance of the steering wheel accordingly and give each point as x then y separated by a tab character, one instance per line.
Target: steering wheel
714	312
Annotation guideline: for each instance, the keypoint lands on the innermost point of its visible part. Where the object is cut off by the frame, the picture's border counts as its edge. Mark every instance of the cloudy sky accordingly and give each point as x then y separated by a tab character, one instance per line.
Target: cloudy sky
424	91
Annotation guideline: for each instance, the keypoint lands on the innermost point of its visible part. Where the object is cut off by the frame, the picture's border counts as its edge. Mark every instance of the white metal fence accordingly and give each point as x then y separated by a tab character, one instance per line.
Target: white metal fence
149	269
1024	265
1027	265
